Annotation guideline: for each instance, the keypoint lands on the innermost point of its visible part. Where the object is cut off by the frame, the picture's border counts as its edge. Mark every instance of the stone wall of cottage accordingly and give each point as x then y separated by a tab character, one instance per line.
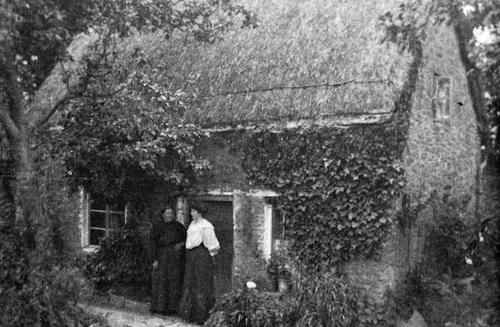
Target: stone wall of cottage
223	150
441	159
442	156
249	230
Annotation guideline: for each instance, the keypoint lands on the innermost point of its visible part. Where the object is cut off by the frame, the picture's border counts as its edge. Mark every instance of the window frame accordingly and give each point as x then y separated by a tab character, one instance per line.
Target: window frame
440	113
107	229
275	216
86	222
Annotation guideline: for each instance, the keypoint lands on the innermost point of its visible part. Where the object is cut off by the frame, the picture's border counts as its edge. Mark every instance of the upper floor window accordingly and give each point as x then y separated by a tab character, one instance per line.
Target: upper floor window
441	101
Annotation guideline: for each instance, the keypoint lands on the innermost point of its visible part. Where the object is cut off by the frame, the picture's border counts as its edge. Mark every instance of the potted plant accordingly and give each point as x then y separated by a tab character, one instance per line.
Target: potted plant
279	272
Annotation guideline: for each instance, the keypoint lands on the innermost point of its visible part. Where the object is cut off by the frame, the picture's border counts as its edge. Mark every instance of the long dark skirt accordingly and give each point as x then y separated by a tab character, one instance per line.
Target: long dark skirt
167	280
198	296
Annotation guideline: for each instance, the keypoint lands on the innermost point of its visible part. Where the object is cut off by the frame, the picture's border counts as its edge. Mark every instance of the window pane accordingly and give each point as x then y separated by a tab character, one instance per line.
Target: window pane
95	236
97	204
441	100
278	229
443	91
446	110
98	219
116	220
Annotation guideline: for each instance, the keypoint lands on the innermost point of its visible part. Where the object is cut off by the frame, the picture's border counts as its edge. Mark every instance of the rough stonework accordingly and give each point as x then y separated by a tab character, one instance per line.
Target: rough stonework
441	157
226	173
442	152
249	219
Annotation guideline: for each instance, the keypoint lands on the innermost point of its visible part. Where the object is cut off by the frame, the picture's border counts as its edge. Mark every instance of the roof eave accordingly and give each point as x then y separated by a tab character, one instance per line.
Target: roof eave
338	121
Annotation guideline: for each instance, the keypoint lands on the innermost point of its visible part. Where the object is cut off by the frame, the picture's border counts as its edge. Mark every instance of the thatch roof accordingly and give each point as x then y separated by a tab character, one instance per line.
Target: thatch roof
298	43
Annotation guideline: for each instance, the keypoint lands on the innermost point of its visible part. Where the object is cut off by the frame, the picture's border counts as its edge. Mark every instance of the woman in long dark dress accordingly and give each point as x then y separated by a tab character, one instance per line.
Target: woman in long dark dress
198	296
167	242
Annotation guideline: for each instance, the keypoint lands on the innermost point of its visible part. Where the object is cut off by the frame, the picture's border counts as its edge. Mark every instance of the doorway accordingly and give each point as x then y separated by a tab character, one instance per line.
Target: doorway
220	214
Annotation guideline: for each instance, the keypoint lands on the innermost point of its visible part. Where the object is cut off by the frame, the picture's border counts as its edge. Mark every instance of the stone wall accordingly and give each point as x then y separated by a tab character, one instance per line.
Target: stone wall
223	151
441	158
249	229
442	153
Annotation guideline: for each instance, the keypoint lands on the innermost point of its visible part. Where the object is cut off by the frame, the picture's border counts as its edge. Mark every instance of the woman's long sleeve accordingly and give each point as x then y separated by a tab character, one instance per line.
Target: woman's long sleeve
153	246
210	240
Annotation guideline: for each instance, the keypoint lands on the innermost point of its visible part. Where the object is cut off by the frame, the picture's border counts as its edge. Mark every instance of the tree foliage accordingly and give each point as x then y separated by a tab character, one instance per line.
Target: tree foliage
476	24
113	122
34	36
133	135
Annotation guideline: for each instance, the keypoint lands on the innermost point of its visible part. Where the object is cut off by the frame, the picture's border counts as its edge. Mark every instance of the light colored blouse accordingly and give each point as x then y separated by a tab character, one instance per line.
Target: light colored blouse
202	231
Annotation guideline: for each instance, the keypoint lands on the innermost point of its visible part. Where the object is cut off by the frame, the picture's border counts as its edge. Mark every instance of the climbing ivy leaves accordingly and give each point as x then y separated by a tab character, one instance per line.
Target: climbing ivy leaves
336	186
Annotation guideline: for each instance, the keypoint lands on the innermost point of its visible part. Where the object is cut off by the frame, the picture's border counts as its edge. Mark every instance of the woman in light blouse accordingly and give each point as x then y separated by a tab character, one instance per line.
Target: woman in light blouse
198	296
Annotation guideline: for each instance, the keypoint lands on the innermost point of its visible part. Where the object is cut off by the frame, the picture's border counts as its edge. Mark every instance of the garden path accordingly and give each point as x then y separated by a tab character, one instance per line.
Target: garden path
127	318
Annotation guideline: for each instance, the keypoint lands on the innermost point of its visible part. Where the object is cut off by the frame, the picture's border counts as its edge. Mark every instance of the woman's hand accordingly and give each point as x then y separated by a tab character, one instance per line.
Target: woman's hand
178	246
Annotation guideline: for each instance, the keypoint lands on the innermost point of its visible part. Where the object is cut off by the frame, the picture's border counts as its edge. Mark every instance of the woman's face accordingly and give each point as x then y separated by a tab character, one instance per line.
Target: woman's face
168	215
195	214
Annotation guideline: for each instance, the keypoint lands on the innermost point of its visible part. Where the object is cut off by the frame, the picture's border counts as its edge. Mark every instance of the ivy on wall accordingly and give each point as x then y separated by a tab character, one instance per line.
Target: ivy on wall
337	186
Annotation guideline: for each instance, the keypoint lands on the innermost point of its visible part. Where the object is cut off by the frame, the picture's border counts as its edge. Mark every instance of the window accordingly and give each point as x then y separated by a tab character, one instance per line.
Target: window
273	236
278	231
441	101
100	219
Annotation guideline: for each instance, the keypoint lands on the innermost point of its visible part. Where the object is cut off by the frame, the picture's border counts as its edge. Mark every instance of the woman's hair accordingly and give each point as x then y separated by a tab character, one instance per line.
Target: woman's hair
162	211
200	207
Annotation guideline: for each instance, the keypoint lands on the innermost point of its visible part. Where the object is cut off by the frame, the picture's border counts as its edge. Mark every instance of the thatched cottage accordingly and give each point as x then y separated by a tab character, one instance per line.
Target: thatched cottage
316	65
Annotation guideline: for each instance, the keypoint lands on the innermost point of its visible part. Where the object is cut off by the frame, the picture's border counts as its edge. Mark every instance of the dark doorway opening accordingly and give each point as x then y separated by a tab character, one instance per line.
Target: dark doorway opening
220	214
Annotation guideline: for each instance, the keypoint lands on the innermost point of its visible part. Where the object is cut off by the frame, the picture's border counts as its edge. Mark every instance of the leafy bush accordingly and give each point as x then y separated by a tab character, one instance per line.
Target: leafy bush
456	282
249	307
318	299
40	282
33	290
120	260
325	299
278	267
446	245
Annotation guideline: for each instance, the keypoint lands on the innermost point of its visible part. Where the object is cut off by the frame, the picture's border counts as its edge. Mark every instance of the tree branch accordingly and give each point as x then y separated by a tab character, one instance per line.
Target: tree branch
295	87
63	101
59	104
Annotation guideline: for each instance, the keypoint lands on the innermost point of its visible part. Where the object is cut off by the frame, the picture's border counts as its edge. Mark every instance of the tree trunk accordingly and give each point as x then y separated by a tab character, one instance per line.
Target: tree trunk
12	120
463	32
23	171
463	29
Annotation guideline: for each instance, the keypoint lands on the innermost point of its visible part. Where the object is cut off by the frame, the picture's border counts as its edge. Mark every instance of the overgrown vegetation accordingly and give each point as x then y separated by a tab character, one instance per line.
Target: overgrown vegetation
317	299
456	282
121	260
40	279
337	186
39	283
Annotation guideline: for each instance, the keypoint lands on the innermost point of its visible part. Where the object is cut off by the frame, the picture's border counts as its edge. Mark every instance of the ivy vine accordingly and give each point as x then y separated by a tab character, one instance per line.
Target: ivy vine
337	186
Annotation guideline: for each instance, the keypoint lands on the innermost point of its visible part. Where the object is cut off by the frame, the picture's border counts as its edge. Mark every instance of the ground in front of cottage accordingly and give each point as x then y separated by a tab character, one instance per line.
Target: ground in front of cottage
128	318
